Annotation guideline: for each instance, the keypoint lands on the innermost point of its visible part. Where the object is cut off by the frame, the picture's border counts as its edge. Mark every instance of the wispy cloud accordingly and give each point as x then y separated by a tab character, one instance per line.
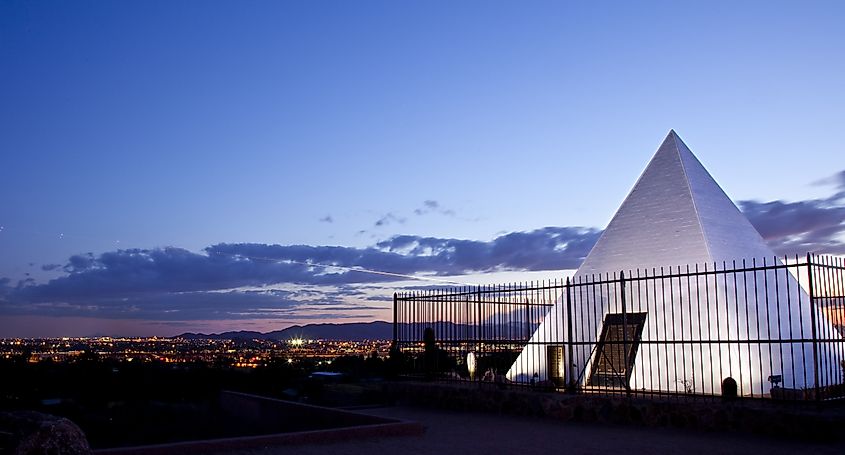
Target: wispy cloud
390	218
432	206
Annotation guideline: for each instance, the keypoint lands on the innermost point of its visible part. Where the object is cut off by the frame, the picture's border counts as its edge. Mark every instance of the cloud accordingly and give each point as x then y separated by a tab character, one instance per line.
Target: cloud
815	225
428	206
227	305
836	180
542	249
379	298
326	219
798	227
5	289
256	280
50	267
161	306
550	248
177	284
389	218
432	206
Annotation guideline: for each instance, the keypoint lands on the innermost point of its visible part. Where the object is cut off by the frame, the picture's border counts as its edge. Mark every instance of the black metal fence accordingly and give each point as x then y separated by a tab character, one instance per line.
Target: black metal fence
774	327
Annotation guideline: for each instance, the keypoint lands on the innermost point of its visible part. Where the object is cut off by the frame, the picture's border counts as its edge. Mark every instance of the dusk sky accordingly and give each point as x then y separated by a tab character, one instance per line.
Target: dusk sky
174	166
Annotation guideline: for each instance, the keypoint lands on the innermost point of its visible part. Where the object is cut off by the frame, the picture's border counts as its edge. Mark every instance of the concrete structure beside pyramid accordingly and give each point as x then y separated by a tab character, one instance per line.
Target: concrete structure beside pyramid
677	215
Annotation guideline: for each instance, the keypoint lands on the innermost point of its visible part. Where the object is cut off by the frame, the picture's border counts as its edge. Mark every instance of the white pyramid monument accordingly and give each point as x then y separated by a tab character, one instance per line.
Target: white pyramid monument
677	215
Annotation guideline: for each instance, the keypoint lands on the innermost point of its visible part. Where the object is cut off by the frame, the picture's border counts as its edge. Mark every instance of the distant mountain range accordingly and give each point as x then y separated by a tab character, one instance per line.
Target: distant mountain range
356	331
378	330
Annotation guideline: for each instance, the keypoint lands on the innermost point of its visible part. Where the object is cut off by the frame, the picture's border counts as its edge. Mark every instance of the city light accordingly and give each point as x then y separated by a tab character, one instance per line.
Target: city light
236	353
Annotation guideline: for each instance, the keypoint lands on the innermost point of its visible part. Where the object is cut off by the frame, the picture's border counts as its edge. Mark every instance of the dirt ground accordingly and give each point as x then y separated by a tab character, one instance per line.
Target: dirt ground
463	432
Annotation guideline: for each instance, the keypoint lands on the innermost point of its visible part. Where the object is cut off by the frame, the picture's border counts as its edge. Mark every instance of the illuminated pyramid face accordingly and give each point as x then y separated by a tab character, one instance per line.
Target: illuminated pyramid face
676	214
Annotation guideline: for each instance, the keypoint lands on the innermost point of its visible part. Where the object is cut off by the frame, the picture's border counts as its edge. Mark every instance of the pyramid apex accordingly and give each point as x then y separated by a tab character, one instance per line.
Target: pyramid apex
676	213
672	138
678	143
670	143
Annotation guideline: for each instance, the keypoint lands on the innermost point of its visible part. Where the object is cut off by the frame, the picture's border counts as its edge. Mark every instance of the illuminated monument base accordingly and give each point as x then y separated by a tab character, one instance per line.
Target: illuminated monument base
676	214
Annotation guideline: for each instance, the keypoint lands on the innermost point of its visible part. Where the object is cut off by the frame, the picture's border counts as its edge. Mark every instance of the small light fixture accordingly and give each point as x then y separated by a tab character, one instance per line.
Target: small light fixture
472	363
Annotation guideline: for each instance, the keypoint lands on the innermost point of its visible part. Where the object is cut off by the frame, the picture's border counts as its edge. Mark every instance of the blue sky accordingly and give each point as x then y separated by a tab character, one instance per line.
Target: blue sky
174	128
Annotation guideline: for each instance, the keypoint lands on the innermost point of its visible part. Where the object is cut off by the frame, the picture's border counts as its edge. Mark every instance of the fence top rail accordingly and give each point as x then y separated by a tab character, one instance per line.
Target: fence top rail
698	272
828	262
501	303
607	278
450	292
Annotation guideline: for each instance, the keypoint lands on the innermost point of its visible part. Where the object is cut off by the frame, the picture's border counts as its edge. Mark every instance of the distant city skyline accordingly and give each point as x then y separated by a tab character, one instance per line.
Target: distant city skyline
176	167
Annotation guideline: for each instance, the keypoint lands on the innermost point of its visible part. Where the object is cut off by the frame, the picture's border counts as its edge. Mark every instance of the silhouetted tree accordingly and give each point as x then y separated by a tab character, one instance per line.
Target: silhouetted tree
435	360
396	363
